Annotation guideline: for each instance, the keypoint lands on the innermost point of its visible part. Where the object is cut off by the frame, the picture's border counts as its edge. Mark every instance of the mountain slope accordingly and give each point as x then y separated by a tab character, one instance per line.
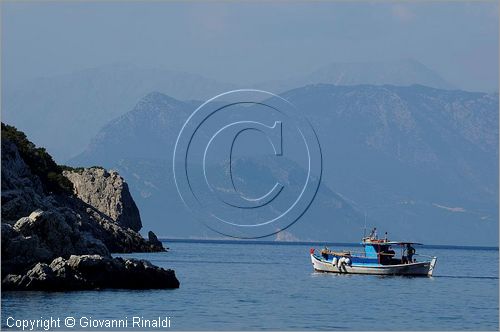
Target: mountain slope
422	162
80	103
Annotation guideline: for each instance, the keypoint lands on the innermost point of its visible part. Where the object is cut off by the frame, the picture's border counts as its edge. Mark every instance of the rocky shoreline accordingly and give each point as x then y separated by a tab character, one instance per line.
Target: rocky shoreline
92	272
60	224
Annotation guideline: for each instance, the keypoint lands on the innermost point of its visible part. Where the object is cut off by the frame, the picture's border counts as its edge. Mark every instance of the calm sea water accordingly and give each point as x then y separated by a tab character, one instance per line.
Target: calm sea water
269	286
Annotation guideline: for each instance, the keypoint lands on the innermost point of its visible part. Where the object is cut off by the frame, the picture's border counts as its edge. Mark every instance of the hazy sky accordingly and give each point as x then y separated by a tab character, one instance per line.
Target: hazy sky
250	42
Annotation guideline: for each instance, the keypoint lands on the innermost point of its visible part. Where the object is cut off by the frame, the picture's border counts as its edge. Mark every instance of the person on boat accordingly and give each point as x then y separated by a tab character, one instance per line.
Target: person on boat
410	251
373	234
324	252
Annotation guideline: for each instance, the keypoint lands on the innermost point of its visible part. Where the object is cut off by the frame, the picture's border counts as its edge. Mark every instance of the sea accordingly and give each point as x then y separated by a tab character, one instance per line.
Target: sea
249	285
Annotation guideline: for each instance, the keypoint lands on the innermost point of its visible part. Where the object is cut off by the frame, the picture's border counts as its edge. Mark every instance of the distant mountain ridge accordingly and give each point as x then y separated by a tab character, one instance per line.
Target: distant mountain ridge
421	162
403	72
80	103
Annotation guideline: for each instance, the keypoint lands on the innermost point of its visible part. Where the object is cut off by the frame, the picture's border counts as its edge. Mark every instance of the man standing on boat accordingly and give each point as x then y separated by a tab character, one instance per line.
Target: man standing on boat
373	233
410	251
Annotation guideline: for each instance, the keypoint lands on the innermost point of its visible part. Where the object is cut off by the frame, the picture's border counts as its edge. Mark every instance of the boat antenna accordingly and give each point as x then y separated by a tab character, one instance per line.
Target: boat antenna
364	230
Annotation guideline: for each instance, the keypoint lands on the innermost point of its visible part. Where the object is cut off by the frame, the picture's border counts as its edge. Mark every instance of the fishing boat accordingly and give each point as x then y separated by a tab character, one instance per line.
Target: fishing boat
378	257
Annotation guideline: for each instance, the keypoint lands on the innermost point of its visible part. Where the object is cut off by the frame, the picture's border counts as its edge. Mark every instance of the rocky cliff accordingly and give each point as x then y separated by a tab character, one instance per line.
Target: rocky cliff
108	193
44	220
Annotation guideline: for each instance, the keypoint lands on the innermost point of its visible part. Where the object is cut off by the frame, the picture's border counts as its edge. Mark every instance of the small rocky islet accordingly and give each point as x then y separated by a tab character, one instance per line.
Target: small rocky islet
61	224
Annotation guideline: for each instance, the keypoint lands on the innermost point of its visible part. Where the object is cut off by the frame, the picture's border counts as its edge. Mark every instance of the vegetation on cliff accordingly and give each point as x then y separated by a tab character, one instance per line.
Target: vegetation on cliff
39	161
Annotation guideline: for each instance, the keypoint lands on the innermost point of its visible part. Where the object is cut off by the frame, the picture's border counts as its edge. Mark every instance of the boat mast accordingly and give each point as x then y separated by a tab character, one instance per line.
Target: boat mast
364	231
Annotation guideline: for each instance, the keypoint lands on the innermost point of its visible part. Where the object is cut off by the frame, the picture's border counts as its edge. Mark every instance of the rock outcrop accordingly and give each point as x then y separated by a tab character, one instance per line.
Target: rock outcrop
43	219
108	193
92	272
153	239
43	236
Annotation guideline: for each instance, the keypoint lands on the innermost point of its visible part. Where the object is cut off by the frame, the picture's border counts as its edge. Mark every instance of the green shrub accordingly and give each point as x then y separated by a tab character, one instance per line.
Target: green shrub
39	161
77	169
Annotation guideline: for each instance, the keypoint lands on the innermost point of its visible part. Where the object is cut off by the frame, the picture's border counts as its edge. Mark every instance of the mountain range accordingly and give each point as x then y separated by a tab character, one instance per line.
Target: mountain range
420	162
79	104
402	72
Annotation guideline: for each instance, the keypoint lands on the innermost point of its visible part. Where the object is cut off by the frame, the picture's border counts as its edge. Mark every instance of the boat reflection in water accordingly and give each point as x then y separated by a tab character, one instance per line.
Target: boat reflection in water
378	257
